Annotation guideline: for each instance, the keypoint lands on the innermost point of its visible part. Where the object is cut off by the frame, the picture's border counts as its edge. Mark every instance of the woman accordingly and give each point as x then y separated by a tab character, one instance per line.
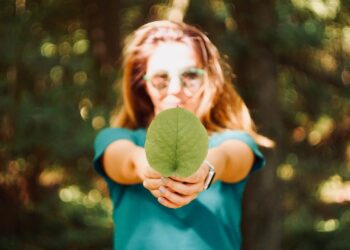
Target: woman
168	64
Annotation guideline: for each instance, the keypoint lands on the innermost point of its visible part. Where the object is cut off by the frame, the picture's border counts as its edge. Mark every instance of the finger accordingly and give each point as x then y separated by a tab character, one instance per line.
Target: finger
164	179
151	173
189	180
156	193
165	202
184	188
176	198
152	184
195	178
179	179
198	176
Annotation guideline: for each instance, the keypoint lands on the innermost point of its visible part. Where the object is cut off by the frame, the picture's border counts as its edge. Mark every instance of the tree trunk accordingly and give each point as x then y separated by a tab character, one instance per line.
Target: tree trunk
103	27
102	19
257	78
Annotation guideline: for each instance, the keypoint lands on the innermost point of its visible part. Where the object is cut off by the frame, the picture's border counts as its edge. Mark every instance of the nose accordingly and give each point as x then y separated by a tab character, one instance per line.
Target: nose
174	86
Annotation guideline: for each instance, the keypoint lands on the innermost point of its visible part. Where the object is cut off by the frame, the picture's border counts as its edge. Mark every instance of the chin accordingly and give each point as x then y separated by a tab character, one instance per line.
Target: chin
191	109
175	105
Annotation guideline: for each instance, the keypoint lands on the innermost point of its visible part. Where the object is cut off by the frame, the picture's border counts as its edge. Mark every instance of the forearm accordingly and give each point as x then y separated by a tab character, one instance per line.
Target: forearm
232	161
118	162
219	160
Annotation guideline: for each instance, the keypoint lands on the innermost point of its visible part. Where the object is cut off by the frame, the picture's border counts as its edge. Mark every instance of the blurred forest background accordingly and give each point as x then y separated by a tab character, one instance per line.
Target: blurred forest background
59	64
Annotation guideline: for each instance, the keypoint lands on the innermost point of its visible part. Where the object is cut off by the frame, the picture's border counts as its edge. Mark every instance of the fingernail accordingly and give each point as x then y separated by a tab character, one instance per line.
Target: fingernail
164	180
160	199
162	190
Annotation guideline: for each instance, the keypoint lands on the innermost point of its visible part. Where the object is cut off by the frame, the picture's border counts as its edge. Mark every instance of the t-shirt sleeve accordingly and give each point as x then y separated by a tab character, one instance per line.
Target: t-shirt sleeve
244	137
102	141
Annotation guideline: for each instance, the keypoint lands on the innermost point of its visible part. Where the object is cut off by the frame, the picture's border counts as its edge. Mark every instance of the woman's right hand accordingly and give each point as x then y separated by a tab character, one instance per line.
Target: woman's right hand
162	188
149	178
142	167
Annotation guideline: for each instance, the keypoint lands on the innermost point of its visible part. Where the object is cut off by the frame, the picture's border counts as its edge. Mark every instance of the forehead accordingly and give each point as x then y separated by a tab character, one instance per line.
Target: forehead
172	56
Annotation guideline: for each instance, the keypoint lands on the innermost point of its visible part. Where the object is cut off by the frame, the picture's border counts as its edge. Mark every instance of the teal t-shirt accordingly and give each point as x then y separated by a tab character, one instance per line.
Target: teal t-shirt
211	221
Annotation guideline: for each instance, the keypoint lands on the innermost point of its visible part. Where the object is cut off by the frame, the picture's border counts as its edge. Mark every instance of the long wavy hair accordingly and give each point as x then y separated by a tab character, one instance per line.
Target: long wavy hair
221	107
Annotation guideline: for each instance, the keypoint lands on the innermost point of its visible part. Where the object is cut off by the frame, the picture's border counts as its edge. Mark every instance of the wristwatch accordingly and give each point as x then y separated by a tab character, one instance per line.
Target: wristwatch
210	177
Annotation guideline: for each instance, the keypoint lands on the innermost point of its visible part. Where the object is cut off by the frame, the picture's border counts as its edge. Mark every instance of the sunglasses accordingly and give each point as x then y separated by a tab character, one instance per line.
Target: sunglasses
191	80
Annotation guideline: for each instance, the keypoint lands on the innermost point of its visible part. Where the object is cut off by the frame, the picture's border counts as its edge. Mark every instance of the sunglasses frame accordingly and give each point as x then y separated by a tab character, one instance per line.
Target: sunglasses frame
191	69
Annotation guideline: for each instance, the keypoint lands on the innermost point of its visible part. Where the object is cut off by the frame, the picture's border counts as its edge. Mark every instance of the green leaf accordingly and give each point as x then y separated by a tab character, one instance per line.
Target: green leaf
176	143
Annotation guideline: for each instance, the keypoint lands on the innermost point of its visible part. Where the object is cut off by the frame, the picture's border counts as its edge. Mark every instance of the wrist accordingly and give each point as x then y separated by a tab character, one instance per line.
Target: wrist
218	159
210	176
136	157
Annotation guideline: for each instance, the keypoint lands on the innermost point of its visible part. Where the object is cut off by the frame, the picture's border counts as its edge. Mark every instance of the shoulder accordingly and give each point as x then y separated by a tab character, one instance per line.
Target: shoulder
108	135
113	131
219	137
122	133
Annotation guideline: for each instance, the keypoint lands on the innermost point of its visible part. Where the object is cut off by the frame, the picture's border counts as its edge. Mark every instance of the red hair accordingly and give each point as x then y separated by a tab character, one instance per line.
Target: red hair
221	107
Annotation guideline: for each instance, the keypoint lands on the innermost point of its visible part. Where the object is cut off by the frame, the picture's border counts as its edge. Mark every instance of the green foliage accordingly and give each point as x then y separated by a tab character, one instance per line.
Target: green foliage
56	93
176	143
48	122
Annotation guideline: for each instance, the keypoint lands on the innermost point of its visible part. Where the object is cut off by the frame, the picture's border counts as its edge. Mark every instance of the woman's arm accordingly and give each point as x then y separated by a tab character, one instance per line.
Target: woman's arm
233	160
126	163
117	162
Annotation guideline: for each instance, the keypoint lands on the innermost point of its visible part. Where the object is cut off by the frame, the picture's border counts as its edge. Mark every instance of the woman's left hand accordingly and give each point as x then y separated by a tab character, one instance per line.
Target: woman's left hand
175	192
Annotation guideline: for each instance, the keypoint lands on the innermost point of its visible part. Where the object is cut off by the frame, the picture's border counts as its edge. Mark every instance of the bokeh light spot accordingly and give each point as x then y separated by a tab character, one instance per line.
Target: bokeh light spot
56	74
51	177
299	134
70	194
327	225
80	77
79	34
84	113
286	172
95	196
314	137
64	49
84	108
335	190
81	46
48	49
98	122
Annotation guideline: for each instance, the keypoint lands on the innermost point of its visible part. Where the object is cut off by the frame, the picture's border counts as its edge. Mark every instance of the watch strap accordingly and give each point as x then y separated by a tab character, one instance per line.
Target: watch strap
210	177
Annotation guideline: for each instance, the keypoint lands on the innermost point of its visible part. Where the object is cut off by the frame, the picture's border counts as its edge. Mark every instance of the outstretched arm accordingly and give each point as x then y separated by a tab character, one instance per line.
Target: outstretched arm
233	160
239	160
126	163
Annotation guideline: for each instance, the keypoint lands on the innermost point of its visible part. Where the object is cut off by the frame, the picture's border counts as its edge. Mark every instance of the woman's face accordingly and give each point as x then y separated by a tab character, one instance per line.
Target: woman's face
174	78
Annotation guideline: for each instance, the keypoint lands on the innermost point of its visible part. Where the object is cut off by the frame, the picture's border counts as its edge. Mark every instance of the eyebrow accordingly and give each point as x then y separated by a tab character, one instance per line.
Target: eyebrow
181	70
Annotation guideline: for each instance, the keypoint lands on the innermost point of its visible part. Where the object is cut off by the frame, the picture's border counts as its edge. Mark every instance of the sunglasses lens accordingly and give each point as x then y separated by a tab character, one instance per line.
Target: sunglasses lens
160	80
192	79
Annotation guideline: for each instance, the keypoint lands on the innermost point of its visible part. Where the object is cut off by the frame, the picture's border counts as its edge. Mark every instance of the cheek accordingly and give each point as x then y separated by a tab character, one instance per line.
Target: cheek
194	103
154	95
